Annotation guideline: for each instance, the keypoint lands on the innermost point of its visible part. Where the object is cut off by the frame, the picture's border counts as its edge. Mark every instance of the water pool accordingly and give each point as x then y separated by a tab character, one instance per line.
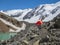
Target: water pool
6	36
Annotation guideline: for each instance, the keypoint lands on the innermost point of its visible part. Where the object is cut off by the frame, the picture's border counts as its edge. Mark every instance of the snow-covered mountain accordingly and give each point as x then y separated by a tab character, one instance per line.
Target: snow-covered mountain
45	12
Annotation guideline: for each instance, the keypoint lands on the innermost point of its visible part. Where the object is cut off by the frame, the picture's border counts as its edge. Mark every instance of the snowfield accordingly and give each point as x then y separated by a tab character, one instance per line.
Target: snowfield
33	15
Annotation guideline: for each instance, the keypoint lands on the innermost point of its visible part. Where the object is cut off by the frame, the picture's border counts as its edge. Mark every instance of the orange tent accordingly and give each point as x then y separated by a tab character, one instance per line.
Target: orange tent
39	22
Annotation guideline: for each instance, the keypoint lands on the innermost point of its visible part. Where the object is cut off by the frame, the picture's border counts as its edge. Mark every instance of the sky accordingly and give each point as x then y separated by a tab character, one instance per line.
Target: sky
23	4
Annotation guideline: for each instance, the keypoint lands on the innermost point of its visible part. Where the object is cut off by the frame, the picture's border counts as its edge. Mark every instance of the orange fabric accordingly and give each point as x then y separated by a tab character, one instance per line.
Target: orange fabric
39	22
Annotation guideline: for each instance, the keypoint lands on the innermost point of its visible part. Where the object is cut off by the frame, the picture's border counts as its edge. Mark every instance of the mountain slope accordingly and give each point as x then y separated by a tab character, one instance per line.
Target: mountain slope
9	24
33	15
3	27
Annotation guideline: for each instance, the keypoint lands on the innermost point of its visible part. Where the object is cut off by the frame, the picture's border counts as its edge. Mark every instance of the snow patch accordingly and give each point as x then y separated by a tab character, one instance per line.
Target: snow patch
10	24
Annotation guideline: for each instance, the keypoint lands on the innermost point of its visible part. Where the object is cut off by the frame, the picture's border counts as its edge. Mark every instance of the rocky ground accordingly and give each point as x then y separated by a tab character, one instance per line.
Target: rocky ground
49	34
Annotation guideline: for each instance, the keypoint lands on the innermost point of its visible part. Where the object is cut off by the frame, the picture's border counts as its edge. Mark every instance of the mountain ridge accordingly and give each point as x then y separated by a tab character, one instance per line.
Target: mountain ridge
16	20
33	15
